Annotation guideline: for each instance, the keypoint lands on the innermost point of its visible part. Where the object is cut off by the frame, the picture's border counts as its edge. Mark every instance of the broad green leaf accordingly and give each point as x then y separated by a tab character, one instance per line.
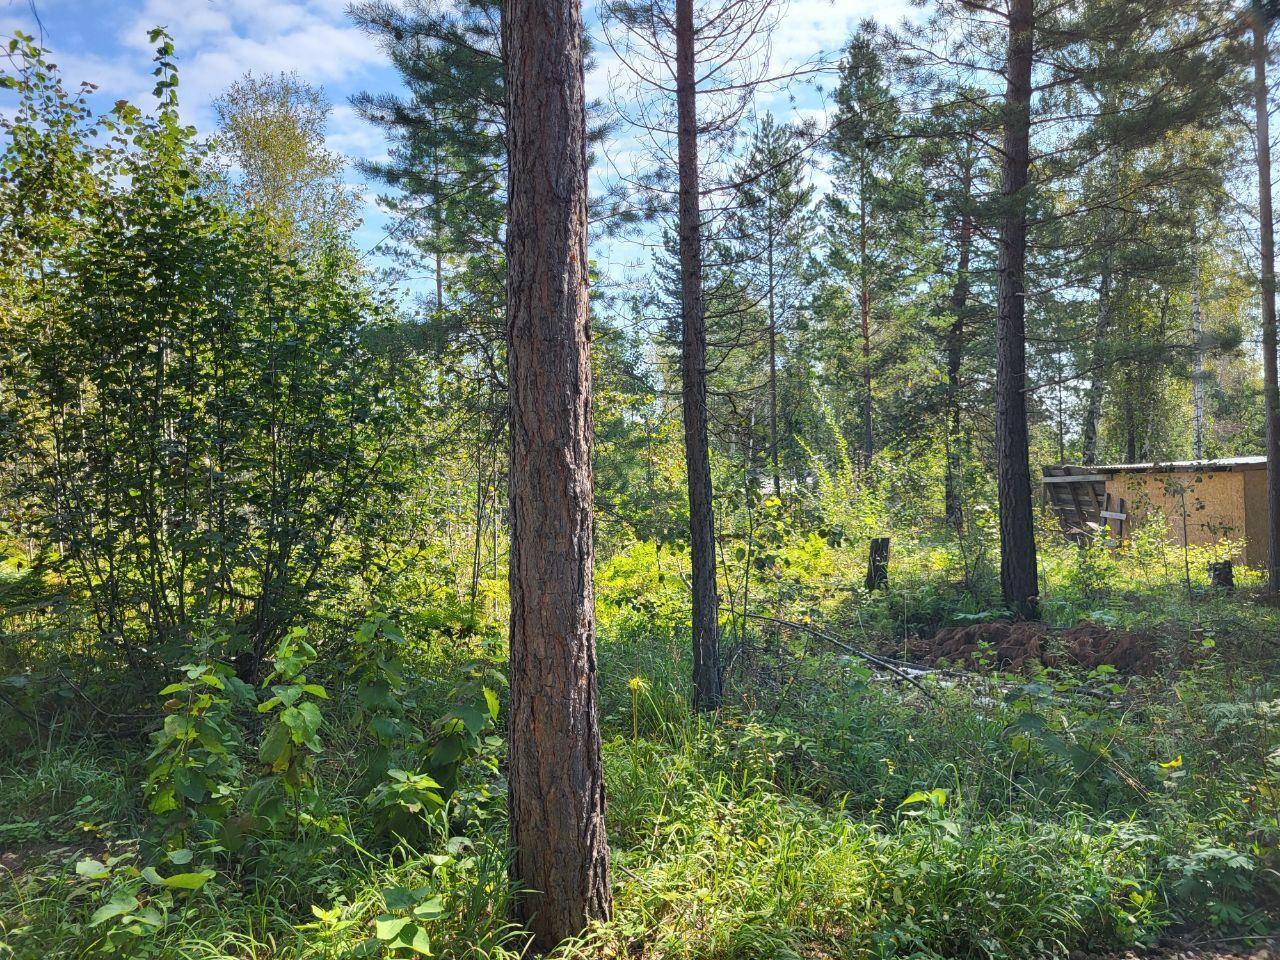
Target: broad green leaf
179	727
189	783
399	899
163	801
387	928
275	746
119	905
429	909
288	694
188	881
475	718
421	942
937	796
446	751
91	869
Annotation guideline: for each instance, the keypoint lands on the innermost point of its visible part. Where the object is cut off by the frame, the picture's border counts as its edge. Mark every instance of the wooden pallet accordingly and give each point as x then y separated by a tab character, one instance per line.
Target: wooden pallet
1084	509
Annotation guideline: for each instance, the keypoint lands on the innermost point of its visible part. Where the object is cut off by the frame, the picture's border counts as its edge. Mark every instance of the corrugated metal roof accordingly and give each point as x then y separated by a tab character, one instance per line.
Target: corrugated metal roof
1184	466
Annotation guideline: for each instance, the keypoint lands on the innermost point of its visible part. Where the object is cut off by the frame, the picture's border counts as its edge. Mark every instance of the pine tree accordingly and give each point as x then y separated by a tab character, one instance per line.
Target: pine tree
770	235
560	861
1263	15
715	55
877	211
447	163
957	168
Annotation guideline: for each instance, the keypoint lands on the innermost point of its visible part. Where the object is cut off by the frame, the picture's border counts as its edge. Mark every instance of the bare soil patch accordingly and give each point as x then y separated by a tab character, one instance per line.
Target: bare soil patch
1267	949
1022	646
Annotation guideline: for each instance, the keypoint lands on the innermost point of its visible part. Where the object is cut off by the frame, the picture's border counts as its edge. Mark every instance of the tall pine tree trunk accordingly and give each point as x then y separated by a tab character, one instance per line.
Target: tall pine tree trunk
959	307
773	364
1018	578
864	310
773	406
1093	394
560	860
693	356
1197	356
1270	391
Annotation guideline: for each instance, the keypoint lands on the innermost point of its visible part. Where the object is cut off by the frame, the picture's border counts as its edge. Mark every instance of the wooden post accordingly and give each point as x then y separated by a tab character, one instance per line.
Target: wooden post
878	564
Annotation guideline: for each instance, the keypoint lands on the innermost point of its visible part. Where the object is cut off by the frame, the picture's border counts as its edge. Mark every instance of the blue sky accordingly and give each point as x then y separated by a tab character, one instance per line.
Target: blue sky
218	41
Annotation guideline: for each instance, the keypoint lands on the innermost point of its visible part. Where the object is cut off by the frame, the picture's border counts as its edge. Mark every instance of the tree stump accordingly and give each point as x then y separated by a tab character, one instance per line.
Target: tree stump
1222	576
878	564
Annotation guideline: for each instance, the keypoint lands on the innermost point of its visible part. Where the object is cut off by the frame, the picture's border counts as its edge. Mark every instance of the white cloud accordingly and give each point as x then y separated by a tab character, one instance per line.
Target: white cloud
220	42
217	42
106	42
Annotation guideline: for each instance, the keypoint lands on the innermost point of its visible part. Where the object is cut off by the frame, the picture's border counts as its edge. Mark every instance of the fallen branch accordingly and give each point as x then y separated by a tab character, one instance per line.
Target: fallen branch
871	658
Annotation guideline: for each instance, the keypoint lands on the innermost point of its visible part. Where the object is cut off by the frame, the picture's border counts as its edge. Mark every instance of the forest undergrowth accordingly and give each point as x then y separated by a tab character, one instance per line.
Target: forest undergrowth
353	806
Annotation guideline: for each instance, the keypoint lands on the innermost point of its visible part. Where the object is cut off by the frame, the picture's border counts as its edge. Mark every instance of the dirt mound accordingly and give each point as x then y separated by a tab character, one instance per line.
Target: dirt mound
1018	647
1268	949
1002	645
1090	645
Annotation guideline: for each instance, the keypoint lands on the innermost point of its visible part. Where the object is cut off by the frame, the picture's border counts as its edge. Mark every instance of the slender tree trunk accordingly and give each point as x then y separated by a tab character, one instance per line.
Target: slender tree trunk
1018	576
702	541
1197	356
1093	394
439	281
1270	390
560	860
437	227
773	407
864	308
478	540
959	307
773	367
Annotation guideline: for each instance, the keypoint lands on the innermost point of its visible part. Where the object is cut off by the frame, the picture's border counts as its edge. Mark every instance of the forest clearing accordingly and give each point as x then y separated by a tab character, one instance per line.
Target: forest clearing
654	479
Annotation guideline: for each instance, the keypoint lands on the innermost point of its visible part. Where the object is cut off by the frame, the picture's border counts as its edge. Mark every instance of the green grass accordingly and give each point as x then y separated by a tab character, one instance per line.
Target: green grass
824	814
730	842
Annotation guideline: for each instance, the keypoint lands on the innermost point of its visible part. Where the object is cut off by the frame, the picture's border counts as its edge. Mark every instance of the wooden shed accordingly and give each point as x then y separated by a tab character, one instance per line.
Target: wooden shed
1212	499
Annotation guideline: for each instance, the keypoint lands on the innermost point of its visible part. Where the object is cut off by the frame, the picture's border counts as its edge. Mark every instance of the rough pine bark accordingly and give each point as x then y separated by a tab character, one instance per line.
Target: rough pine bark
560	859
1270	389
1018	578
693	357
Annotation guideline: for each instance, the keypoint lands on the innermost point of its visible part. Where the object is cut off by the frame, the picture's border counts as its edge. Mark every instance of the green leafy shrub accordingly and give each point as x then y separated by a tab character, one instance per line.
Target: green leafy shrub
196	774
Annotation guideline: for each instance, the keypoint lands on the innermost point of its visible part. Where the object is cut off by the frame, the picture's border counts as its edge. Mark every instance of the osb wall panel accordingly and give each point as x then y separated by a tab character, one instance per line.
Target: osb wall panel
1215	504
1255	517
